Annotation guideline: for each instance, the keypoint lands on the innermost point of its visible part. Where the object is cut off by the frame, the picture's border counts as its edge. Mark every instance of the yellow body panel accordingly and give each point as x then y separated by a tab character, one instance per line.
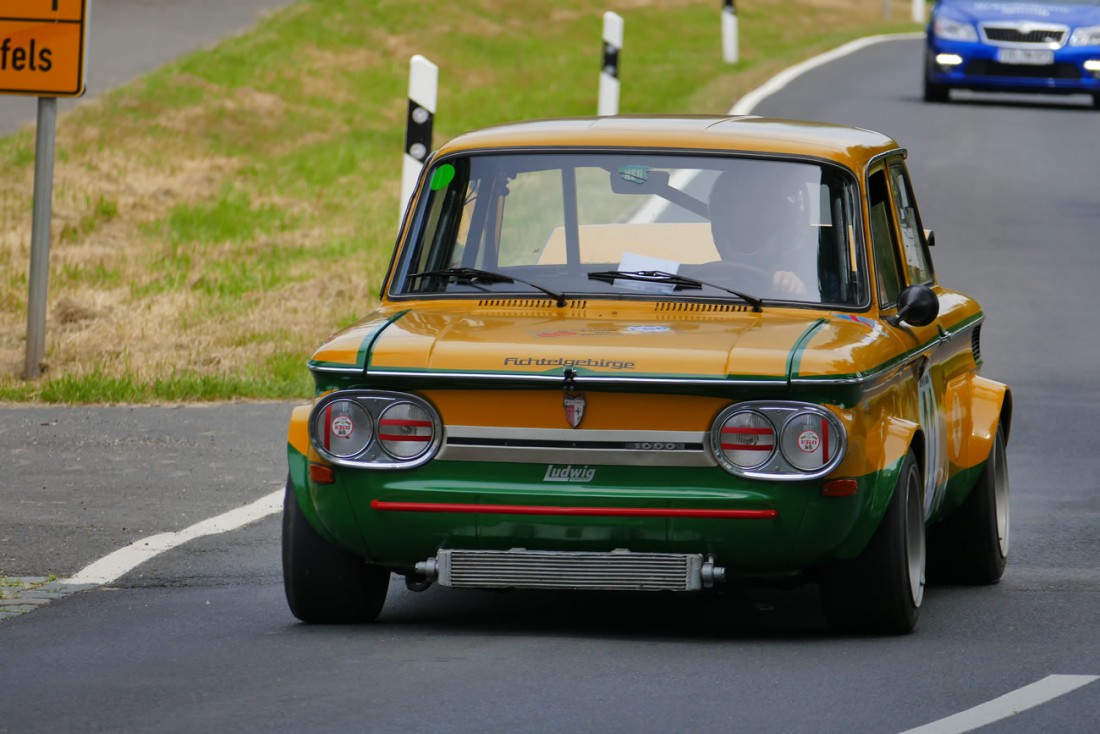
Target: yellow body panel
501	397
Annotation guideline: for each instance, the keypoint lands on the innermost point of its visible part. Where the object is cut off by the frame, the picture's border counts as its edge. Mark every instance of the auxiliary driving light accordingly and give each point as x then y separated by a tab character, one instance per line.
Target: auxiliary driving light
344	428
405	430
747	439
808	441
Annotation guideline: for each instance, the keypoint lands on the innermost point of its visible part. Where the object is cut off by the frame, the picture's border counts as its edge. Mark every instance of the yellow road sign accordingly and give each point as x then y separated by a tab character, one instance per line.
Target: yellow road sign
43	47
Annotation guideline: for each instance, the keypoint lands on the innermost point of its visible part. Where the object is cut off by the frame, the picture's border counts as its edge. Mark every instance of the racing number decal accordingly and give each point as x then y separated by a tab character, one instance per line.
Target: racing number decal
934	425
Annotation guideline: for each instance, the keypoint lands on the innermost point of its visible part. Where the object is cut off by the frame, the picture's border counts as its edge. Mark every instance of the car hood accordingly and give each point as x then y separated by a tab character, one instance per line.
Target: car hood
610	343
1070	14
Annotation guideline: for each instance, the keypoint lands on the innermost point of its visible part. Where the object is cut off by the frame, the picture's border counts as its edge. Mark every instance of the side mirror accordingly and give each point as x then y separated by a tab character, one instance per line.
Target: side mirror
917	305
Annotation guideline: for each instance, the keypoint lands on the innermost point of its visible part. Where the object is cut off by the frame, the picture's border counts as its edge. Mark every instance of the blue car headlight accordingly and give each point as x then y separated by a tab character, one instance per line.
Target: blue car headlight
953	30
1086	36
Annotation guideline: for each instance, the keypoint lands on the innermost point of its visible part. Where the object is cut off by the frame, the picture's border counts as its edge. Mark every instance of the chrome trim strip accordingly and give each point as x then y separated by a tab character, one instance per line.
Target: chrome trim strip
571	446
574	435
580	380
903	152
336	370
603	457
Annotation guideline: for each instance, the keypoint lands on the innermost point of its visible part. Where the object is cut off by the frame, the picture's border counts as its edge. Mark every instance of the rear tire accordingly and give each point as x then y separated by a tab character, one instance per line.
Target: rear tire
971	545
881	590
325	584
1096	101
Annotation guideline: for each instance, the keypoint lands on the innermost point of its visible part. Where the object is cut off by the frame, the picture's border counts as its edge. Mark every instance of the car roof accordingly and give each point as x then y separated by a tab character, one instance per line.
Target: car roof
849	146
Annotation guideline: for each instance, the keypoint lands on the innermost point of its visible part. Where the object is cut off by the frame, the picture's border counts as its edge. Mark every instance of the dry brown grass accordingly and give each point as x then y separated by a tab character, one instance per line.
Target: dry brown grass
122	301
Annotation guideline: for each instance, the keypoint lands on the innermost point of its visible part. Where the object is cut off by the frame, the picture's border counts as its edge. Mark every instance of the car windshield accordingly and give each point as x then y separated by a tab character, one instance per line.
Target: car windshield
647	225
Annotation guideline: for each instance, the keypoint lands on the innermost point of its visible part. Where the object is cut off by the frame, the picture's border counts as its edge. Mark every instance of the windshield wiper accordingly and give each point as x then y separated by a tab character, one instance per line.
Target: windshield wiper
474	276
663	278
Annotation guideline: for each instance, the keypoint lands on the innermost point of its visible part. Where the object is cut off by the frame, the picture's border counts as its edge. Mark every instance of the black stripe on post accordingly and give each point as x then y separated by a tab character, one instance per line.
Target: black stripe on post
729	7
418	131
611	61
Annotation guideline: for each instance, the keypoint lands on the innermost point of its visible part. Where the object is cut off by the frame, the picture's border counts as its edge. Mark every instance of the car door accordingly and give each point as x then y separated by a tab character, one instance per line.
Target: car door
902	260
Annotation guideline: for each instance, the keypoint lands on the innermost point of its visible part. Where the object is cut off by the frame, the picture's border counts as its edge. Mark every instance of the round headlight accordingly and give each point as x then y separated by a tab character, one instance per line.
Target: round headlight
747	439
343	428
809	441
405	430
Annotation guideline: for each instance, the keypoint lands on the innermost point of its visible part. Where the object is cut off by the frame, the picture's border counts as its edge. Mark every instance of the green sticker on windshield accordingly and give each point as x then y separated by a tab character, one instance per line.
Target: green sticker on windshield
634	174
442	176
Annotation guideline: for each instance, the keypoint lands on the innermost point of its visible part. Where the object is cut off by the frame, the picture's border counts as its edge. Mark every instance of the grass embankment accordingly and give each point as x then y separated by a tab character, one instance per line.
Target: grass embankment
216	219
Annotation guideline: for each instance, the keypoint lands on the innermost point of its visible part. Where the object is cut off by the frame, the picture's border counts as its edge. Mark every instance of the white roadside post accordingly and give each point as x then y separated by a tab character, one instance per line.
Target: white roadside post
729	32
423	88
918	11
609	75
886	8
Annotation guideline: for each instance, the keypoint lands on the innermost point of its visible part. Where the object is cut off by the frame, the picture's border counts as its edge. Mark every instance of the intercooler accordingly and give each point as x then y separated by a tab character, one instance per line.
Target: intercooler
525	569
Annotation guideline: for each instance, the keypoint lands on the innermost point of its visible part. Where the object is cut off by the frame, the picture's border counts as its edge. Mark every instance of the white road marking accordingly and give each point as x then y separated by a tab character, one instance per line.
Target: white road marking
1007	705
112	567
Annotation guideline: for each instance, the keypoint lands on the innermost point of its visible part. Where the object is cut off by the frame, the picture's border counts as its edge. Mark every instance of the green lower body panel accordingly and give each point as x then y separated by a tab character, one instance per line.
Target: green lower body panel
752	528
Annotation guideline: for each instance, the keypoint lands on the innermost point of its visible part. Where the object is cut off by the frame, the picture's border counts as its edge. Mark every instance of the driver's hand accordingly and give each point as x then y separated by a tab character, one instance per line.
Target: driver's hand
784	281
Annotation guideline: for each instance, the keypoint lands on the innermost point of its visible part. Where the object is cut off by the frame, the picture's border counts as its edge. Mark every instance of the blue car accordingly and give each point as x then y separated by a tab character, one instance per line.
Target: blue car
1044	46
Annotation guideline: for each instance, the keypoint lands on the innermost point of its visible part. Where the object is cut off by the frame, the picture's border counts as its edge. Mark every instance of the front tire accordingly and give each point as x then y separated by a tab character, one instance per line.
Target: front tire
325	584
933	92
881	590
971	545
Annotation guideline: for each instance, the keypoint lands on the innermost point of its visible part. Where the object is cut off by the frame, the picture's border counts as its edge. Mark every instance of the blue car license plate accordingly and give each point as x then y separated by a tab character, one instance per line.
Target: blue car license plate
1025	56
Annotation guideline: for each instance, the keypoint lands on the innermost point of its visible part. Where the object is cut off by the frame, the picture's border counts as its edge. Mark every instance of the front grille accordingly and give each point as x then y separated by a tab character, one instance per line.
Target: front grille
1043	36
524	569
976	343
992	68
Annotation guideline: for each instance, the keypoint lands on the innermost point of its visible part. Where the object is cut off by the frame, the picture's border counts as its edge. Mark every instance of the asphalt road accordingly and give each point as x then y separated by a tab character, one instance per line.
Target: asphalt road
127	38
200	638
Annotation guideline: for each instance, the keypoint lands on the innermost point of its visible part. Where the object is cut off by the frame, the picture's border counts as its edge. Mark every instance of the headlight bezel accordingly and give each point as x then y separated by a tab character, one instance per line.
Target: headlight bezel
374	453
953	29
1077	38
783	416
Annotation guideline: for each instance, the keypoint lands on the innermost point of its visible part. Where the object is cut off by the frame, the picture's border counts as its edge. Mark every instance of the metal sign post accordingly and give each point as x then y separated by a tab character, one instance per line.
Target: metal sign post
40	236
43	52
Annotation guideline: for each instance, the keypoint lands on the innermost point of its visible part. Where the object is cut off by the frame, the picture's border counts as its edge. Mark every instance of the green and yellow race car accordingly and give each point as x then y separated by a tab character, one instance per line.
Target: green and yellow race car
654	353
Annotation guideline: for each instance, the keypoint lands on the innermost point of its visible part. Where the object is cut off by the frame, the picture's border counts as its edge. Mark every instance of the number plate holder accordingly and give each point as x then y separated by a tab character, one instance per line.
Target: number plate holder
1026	56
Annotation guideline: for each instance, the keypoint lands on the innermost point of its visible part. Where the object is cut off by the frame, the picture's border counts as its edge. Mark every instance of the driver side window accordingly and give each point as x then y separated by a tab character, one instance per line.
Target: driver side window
917	262
883	240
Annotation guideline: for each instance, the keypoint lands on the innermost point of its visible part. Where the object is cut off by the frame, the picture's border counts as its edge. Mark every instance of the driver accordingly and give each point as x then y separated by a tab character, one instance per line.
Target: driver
757	221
